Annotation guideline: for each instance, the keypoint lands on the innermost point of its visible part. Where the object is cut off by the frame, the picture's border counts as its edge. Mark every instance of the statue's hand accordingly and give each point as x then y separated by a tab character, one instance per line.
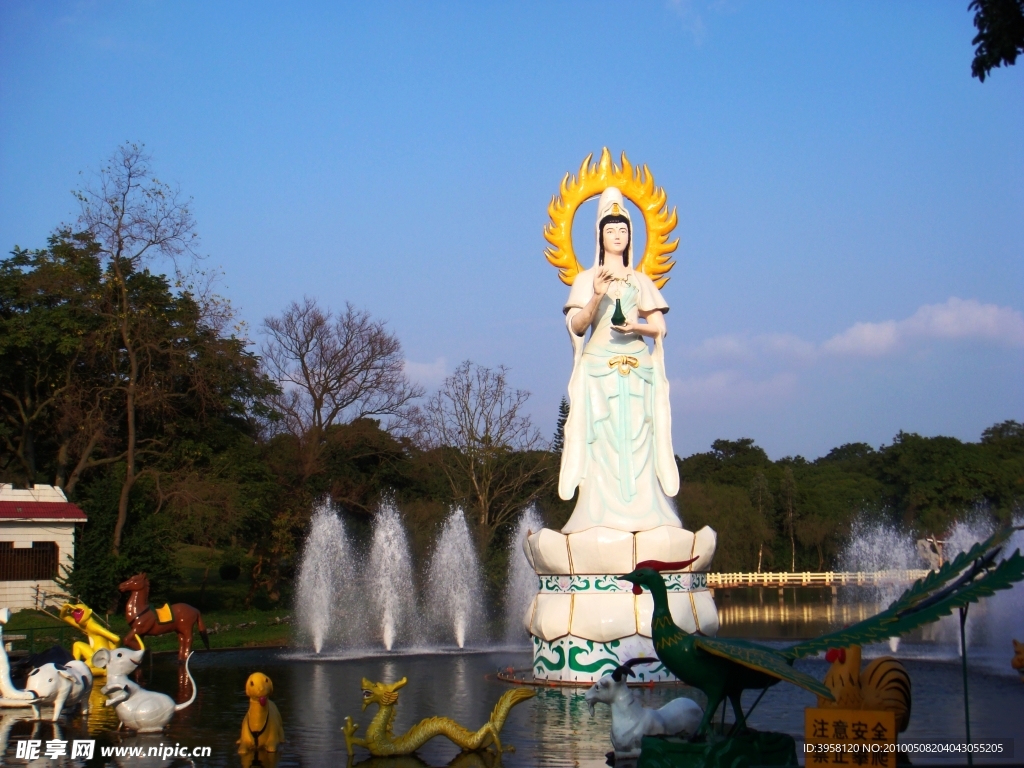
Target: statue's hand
602	281
641	329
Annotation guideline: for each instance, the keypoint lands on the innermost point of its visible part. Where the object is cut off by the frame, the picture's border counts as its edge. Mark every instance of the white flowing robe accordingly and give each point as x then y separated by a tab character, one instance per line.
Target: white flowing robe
618	437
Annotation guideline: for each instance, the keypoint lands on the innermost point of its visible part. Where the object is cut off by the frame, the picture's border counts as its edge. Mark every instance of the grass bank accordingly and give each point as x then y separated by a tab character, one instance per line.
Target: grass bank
227	629
222	601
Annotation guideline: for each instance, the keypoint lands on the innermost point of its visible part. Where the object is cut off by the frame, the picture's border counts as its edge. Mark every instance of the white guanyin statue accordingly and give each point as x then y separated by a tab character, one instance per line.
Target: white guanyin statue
618	437
584	620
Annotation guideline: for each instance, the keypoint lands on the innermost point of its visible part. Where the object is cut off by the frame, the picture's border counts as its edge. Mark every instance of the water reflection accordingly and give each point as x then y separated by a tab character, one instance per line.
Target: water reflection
790	616
462	760
102	719
554	729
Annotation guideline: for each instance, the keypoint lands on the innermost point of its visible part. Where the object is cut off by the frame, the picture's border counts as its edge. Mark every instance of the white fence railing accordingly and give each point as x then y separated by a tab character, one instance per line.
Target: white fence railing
813	579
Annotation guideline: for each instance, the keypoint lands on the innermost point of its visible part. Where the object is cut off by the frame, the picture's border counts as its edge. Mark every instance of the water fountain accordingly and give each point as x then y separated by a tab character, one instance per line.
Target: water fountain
390	591
522	581
453	583
340	606
877	545
881	546
326	576
990	622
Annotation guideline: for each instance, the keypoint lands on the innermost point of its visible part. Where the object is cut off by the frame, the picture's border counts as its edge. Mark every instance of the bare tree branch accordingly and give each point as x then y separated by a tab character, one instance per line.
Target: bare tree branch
137	222
488	448
334	370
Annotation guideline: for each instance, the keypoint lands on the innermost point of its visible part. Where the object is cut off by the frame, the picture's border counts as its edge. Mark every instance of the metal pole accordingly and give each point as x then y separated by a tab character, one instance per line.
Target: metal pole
963	664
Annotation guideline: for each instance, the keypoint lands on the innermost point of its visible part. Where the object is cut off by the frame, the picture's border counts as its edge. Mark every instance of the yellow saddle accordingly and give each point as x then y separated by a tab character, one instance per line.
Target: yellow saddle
164	615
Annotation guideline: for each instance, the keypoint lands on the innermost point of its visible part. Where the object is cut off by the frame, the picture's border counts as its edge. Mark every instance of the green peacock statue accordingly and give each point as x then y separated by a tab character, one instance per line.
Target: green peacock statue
723	669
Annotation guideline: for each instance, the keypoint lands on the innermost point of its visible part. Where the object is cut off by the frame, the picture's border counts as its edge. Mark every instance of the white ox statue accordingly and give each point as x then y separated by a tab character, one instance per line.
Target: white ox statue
63	686
631	721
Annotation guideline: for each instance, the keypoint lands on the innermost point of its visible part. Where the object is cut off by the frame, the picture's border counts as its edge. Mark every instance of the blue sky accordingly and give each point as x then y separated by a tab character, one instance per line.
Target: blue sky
851	213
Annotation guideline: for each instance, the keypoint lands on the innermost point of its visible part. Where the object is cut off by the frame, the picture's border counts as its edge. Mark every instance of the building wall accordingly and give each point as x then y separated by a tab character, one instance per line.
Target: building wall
30	594
34	594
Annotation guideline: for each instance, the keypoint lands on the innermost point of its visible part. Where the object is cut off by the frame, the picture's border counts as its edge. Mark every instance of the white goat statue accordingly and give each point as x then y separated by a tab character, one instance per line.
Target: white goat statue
631	721
138	709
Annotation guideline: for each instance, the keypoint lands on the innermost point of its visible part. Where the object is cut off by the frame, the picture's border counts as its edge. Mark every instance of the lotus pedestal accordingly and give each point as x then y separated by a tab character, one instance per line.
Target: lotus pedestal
584	621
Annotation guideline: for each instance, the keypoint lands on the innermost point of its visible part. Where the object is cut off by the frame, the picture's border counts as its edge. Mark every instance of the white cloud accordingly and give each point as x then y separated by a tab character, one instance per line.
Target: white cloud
867	339
738	348
968	319
728	347
957	319
427	374
726	390
757	371
786	345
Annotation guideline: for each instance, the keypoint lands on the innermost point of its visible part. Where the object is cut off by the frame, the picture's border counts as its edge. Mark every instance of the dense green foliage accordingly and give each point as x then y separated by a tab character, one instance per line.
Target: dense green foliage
924	484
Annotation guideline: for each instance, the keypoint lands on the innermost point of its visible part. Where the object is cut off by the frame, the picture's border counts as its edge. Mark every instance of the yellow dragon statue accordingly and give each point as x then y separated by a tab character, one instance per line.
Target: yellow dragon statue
79	616
381	742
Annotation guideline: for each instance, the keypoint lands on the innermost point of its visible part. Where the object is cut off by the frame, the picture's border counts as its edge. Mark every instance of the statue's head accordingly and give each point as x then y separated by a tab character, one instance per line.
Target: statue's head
382	694
136	582
259	687
614	226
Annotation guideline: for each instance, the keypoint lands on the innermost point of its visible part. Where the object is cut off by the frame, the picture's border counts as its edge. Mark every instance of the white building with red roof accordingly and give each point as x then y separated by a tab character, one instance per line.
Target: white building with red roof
37	543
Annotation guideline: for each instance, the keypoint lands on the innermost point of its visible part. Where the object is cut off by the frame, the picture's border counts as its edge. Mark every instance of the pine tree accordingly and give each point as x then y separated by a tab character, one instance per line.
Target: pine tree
558	441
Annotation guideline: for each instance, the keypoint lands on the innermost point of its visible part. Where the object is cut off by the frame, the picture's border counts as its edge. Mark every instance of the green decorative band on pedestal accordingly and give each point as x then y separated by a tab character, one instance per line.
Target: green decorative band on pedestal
564	584
572	659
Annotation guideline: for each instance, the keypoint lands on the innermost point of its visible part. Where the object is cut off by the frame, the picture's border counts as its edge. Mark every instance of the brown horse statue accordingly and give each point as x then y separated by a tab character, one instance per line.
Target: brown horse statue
145	620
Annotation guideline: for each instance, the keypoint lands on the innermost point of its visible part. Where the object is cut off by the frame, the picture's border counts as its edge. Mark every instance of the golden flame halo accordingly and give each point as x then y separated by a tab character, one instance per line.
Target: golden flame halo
637	185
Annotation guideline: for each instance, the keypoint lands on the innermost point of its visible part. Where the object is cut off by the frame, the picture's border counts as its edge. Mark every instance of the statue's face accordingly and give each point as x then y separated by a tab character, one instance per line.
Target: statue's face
616	238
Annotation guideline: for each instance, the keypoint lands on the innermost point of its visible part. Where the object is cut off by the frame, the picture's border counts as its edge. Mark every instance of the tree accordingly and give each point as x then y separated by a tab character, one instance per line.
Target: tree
1008	432
729	511
135	219
333	370
487	447
787	493
63	369
46	315
558	441
763	503
849	452
935	480
1000	38
160	345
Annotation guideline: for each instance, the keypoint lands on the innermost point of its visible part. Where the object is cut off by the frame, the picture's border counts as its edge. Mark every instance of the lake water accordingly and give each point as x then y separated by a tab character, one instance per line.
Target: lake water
553	729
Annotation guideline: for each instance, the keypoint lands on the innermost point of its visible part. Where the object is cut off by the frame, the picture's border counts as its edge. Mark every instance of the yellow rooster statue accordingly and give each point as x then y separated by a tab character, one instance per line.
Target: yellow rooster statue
883	685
